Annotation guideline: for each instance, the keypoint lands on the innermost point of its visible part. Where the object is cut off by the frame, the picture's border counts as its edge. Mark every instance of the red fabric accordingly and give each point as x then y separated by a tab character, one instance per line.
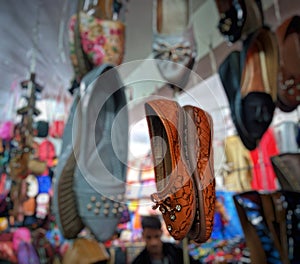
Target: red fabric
2	183
47	152
264	177
57	129
7	252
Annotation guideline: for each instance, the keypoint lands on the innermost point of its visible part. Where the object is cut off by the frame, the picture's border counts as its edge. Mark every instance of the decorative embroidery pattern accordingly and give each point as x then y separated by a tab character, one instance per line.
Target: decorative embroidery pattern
102	40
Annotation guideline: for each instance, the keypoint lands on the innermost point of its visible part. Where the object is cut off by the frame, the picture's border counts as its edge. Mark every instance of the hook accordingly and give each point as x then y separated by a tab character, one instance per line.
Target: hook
176	92
212	57
277	11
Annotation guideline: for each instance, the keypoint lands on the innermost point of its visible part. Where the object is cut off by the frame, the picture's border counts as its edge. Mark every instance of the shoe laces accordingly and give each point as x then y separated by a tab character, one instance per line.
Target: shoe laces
162	204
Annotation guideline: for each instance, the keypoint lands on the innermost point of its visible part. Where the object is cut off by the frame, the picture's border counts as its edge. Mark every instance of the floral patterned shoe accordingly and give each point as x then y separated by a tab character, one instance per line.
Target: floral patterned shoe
102	41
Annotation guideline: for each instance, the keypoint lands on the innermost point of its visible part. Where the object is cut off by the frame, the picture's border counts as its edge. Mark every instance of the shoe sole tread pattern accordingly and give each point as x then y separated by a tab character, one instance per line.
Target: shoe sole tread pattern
69	220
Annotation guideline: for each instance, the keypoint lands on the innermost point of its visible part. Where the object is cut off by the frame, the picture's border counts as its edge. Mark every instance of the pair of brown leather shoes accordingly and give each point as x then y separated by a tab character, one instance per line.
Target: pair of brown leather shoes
181	143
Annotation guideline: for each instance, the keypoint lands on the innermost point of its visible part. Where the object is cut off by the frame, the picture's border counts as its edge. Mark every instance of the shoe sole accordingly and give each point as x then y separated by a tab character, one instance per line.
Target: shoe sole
67	216
64	202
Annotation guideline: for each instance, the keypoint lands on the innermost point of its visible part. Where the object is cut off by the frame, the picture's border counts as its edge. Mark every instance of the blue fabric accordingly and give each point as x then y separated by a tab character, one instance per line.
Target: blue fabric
44	183
233	227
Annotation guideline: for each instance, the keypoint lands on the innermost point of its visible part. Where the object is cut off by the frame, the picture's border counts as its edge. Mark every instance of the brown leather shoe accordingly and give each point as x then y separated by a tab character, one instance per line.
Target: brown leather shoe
199	152
288	35
175	195
258	85
261	66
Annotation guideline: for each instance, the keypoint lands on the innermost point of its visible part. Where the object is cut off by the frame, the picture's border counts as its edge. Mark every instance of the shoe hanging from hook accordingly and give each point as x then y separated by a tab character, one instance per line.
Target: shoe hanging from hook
174	48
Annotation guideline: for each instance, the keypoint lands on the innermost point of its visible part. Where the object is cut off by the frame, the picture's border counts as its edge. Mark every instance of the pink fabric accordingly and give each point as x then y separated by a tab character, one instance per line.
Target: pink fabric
7	252
21	234
6	130
264	177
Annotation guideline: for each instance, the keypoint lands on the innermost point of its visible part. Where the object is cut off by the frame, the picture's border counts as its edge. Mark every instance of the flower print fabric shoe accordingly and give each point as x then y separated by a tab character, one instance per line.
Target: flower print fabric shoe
103	41
175	195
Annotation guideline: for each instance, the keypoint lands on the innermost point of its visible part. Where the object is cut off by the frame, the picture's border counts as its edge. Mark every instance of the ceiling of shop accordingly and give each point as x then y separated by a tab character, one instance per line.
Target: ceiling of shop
34	36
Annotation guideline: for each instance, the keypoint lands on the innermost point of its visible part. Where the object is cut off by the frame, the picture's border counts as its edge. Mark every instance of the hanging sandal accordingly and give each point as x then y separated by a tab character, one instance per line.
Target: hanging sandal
232	18
174	45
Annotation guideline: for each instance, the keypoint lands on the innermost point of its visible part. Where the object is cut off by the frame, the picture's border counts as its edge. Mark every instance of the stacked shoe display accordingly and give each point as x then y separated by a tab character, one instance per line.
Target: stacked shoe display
258	78
263	74
249	77
181	143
